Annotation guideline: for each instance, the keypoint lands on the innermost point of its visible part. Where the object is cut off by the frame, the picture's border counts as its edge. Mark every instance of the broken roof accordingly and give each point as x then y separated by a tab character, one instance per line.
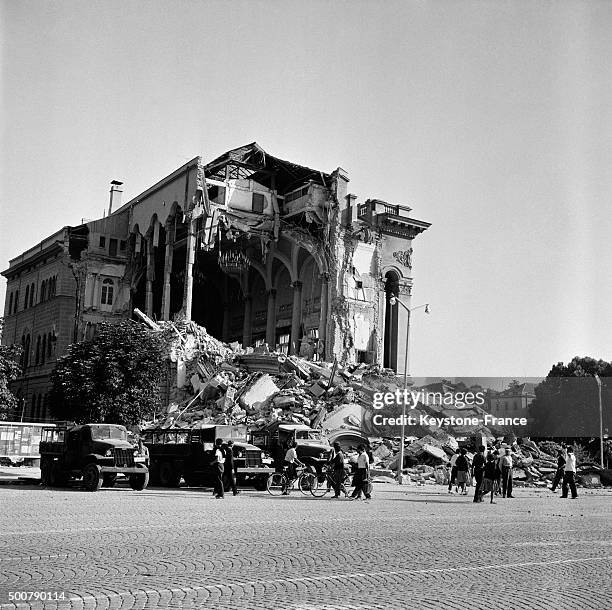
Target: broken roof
251	162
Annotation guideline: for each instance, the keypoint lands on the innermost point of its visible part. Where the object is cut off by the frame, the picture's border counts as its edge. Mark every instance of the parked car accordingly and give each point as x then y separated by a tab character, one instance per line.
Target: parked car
95	453
188	454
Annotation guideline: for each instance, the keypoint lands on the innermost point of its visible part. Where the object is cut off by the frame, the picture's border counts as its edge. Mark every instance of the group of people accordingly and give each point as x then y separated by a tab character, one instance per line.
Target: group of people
224	468
492	473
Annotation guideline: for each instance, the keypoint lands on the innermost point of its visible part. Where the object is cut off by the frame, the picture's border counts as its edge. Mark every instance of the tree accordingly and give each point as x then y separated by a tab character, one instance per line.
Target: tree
567	401
112	378
9	370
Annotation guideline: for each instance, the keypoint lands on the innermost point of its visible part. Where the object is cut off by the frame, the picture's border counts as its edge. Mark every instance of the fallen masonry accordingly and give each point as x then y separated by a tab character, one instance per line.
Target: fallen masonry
210	382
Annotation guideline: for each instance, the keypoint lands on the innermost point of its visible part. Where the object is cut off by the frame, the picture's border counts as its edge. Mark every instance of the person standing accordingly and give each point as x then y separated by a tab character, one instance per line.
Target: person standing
218	468
489	478
362	475
229	467
453	471
478	466
569	476
560	471
336	463
506	472
463	468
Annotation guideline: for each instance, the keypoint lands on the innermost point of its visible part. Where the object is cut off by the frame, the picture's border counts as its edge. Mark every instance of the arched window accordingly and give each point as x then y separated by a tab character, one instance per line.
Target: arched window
23	352
16	306
392	283
49	340
10	307
28	345
37	360
43	351
43	291
25	304
107	292
32	290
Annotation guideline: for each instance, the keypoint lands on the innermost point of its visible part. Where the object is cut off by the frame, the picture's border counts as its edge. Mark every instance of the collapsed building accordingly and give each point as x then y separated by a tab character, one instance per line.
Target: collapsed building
253	248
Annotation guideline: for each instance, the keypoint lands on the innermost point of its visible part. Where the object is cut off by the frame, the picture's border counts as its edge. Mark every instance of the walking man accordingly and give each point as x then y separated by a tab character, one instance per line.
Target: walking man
362	475
560	471
337	466
478	465
229	469
218	467
453	472
569	475
506	471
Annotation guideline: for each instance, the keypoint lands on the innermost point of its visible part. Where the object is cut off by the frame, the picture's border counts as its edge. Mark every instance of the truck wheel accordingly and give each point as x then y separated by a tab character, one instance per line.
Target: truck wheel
138	482
109	479
45	473
168	476
92	477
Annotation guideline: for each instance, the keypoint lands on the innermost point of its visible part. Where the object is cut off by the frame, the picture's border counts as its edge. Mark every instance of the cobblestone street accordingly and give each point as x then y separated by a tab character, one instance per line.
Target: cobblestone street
406	548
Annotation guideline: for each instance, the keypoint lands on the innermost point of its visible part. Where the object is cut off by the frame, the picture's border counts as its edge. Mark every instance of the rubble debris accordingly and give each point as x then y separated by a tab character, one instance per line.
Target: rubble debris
214	383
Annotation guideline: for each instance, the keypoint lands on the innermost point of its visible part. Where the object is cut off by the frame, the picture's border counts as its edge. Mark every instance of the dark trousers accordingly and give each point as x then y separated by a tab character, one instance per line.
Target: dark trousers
360	479
506	481
218	470
557	479
568	480
453	477
337	478
230	479
478	476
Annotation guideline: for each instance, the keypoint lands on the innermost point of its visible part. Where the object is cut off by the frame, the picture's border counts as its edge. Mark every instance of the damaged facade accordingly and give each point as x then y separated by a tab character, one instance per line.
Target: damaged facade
255	249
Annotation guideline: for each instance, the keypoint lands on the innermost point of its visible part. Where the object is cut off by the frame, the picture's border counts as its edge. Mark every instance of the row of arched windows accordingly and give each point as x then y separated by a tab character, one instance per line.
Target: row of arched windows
47	291
43	351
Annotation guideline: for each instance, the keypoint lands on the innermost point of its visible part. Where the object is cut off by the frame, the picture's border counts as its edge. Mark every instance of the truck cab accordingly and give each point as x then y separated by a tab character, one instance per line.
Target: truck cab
96	453
188	454
313	448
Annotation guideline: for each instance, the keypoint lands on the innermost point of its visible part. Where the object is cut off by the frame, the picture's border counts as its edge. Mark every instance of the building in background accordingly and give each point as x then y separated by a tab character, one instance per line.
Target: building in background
254	248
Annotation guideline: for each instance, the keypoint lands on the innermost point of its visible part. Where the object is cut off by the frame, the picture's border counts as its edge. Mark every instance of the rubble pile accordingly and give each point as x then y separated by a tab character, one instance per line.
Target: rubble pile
214	383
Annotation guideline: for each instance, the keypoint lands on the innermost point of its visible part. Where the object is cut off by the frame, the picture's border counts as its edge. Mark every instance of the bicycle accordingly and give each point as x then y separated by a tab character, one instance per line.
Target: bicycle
279	482
325	483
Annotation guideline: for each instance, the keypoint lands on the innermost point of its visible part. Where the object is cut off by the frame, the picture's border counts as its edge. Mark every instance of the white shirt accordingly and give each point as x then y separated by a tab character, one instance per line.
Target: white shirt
363	460
291	455
570	463
219	456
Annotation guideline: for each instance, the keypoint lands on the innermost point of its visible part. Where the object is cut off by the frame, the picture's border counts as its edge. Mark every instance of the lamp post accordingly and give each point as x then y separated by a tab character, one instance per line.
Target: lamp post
393	301
601	434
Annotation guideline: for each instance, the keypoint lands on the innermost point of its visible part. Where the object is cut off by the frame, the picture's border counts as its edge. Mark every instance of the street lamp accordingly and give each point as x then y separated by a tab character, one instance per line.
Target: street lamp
601	434
393	301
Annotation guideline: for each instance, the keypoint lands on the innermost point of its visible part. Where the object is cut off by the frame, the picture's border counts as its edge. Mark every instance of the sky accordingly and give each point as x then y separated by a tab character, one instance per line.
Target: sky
491	120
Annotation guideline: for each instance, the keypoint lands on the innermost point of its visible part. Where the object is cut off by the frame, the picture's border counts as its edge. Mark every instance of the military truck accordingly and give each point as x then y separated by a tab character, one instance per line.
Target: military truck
188	454
95	453
313	449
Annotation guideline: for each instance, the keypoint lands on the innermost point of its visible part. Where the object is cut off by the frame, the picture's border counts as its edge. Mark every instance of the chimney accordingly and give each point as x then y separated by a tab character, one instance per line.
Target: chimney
115	196
340	182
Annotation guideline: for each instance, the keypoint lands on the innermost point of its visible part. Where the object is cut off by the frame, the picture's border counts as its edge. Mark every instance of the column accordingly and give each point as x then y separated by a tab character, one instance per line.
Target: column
247	328
271	319
168	270
324	277
296	318
190	258
150	277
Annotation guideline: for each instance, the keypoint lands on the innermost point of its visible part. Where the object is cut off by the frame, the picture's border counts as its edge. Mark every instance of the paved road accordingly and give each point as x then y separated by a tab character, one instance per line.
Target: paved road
407	548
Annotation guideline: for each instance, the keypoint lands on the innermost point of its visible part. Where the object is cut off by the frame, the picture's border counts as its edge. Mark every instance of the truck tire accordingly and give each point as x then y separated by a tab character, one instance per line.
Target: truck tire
168	476
138	482
92	477
45	472
109	479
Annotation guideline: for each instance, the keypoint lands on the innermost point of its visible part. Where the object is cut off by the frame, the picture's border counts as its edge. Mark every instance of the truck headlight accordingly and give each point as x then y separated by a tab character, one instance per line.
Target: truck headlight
109	453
